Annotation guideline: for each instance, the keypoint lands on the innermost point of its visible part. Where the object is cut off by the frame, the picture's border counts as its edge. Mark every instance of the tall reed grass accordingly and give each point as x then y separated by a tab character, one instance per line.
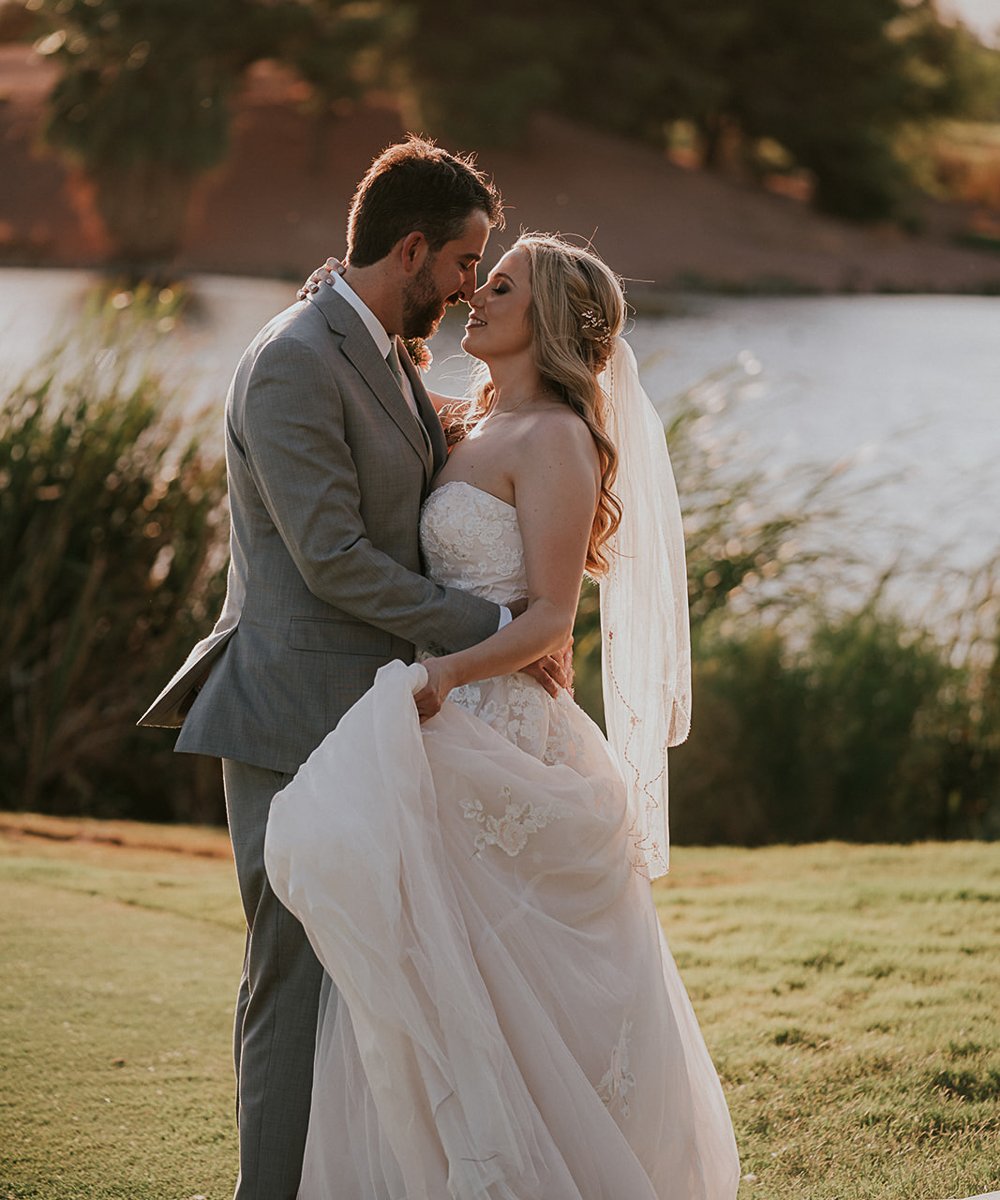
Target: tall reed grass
820	711
111	521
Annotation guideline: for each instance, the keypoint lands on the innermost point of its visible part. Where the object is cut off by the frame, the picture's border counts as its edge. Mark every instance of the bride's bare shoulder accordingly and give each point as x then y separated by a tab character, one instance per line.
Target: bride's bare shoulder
556	440
557	427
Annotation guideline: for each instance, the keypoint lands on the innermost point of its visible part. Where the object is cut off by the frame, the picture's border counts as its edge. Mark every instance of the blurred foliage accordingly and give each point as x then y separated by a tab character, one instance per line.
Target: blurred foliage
829	85
754	549
825	90
867	732
819	711
16	21
111	521
475	75
146	86
958	160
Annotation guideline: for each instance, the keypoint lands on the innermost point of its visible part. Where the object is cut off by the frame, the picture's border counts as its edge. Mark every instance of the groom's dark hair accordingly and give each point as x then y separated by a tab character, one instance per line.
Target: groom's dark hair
416	186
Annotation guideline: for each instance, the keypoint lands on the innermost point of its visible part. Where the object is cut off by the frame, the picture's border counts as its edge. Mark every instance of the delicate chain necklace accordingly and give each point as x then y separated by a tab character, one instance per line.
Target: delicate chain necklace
521	403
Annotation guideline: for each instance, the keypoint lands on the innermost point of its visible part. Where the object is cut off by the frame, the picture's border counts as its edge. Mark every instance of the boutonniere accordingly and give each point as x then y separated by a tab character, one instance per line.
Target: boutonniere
419	352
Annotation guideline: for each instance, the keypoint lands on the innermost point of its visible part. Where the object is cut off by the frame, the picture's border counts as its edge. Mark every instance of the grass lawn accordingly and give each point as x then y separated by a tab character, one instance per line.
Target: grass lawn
849	995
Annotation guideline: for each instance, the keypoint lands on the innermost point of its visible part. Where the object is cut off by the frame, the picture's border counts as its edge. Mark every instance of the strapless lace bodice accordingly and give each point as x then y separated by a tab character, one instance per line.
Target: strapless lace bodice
471	540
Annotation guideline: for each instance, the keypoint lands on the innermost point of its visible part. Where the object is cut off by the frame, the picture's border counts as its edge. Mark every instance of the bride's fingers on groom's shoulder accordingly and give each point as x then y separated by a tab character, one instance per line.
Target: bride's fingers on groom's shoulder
323	274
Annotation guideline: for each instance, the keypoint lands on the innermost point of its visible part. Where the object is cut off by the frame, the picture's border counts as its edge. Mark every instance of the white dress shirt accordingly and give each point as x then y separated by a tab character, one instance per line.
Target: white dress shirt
379	335
384	344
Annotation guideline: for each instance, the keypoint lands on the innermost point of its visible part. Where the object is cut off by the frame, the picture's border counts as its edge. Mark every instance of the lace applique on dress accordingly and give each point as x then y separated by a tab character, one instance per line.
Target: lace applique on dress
514	705
618	1079
564	743
473	543
511	831
471	540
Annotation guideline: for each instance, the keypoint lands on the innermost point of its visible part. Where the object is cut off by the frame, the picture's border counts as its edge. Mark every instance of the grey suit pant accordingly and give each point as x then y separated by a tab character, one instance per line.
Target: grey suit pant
275	1030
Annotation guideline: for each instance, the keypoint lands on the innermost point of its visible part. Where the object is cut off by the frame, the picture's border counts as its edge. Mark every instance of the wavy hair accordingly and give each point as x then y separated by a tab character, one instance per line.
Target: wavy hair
577	309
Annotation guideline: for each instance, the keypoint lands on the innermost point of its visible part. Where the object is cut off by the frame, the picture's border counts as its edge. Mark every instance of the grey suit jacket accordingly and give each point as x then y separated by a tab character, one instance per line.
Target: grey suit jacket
327	470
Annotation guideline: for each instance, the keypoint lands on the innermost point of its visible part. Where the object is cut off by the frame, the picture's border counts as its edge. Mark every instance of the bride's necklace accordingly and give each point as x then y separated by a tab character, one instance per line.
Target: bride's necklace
545	392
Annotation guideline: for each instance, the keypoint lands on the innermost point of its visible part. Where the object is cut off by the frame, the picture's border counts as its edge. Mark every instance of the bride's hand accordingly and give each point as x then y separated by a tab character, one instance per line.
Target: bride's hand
433	694
323	274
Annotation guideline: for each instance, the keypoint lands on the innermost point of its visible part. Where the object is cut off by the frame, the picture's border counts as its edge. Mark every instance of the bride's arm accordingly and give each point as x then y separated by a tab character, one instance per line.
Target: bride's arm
556	487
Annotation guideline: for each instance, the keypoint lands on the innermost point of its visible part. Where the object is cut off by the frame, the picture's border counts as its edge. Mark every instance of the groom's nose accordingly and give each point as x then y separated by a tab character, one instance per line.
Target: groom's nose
468	288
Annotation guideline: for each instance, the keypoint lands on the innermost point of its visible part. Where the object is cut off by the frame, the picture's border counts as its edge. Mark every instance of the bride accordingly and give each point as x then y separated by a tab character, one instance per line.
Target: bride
469	856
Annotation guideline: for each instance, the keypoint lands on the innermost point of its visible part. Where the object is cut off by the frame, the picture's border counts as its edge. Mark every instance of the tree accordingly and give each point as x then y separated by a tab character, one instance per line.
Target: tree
832	87
831	83
474	75
633	68
144	96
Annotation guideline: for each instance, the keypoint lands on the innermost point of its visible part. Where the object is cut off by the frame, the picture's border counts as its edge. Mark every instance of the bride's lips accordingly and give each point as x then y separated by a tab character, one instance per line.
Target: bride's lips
474	323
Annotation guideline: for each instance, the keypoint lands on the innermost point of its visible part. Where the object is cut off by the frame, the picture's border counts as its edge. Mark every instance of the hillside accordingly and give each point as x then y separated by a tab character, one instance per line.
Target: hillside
278	204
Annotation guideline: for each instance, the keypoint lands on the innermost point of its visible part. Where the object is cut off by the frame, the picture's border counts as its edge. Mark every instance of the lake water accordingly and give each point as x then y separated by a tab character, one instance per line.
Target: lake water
905	388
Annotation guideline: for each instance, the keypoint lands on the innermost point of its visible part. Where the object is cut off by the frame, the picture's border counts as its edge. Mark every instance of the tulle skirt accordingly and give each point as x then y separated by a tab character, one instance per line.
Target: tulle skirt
505	1020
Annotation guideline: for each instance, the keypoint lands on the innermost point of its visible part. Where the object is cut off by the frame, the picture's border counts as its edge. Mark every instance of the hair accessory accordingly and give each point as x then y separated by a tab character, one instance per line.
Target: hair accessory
595	328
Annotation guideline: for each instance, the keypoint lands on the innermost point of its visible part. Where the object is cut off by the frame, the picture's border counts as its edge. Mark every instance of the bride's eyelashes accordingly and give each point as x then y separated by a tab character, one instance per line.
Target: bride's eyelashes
498	289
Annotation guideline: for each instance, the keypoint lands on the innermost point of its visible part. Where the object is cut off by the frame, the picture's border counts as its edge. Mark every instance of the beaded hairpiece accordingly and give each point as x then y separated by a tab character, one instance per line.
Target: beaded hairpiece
595	328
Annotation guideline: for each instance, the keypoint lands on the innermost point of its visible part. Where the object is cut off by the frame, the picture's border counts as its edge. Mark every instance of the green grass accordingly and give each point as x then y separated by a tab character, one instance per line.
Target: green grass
119	972
848	995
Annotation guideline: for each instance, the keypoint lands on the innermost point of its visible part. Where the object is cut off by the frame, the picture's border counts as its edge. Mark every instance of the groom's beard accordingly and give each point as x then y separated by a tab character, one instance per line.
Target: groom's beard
423	305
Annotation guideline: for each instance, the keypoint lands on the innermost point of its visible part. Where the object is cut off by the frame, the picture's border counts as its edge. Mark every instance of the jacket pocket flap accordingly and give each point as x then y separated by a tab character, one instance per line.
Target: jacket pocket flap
327	636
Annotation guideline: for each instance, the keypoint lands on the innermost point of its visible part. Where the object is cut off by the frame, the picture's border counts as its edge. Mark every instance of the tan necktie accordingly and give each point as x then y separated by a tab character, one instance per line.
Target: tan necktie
396	367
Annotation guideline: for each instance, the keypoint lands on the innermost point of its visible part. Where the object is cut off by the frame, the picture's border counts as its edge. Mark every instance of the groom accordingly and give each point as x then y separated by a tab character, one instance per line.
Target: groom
331	442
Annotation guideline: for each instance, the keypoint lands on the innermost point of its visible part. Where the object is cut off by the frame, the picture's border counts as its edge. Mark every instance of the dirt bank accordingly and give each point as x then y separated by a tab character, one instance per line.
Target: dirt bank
278	204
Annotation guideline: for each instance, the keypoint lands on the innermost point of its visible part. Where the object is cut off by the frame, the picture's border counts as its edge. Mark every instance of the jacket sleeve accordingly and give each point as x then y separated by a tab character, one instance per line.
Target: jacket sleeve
293	433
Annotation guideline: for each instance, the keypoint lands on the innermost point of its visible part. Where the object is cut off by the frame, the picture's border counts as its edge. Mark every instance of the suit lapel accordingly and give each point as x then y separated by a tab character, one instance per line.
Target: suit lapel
358	346
432	423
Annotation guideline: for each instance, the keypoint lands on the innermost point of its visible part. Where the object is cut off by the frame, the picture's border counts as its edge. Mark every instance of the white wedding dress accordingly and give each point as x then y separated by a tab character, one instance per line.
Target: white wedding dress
510	1023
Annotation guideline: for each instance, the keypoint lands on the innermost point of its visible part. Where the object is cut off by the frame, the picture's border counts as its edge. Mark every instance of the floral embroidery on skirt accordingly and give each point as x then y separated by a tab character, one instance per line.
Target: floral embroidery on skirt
618	1079
510	831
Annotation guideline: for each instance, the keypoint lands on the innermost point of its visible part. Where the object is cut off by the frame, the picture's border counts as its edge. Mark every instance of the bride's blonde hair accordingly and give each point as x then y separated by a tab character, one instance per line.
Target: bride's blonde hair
577	309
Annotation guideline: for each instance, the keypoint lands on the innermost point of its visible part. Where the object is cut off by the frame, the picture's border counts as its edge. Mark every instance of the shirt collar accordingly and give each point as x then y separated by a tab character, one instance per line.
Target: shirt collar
371	322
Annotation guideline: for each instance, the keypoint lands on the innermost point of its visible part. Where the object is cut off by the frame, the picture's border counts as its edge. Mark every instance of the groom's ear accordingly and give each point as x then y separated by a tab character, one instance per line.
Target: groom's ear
413	251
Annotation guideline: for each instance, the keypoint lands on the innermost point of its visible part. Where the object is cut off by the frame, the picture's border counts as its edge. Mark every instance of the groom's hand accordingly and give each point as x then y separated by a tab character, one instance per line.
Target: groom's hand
554	671
323	274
